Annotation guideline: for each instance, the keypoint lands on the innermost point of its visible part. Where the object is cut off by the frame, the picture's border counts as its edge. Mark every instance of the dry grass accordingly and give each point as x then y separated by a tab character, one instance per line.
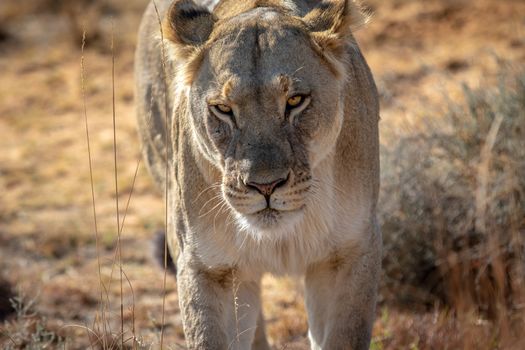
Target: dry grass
453	212
465	191
27	329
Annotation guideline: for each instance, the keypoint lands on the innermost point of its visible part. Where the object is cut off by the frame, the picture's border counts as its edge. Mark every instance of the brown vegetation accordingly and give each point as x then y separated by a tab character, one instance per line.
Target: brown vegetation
454	216
452	202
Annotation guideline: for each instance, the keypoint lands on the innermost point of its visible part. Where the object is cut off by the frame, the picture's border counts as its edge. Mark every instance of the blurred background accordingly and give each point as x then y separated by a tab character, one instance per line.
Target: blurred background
452	84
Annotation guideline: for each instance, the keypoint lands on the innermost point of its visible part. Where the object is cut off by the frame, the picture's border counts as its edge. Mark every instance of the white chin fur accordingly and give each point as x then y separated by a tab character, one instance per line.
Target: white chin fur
269	228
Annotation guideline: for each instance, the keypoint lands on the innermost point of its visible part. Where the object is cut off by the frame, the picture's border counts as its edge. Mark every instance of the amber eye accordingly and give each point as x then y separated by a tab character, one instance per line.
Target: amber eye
294	101
224	108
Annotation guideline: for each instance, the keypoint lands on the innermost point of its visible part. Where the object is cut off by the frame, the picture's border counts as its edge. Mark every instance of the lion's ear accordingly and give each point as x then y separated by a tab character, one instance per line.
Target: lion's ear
188	25
331	22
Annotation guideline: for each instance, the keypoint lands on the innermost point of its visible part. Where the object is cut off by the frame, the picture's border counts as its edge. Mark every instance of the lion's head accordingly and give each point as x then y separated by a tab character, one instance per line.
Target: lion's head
266	91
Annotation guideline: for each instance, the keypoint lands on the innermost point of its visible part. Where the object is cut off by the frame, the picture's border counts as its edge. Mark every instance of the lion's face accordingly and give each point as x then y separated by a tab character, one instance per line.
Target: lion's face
266	108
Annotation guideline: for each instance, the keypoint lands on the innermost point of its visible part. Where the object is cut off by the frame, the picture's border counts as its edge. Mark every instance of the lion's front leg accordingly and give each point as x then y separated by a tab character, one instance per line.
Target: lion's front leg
341	297
218	312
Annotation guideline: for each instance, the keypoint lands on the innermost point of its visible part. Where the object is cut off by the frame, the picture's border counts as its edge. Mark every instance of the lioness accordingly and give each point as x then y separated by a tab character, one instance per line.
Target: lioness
272	151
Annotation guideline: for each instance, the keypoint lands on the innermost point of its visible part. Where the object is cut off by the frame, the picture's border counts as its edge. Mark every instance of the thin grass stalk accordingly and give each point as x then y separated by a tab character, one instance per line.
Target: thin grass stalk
121	229
134	336
484	174
166	185
93	202
116	182
88	330
130	194
235	289
115	253
89	338
9	337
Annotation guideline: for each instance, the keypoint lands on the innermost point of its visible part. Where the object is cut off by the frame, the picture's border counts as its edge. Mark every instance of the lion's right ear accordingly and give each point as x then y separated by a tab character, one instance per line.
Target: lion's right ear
331	23
188	25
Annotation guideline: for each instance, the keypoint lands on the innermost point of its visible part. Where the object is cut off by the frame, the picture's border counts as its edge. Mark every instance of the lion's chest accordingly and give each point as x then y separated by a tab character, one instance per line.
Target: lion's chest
317	236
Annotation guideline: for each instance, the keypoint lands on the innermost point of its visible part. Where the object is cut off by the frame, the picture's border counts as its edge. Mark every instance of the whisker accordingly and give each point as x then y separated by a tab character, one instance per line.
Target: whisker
211	187
243	241
221	208
221	202
330	184
230	219
218	196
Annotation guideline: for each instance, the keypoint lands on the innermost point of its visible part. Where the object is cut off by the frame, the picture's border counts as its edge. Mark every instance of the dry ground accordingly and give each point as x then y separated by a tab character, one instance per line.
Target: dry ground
419	51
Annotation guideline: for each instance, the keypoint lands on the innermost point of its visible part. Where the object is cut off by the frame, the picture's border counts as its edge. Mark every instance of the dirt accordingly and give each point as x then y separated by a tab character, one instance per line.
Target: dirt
420	53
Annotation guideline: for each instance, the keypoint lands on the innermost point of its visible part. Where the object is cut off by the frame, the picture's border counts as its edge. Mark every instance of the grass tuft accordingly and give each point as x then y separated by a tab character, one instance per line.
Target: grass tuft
453	207
28	329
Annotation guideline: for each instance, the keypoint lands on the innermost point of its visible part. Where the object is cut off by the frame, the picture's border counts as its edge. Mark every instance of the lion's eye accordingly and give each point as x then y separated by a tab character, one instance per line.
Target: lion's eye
224	113
294	101
224	108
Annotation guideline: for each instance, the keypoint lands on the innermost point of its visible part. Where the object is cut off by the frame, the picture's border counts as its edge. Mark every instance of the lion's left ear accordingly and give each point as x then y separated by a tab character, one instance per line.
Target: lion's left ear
188	26
331	23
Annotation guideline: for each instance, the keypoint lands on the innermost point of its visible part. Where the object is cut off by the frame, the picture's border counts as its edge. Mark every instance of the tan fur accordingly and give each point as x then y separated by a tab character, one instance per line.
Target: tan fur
320	220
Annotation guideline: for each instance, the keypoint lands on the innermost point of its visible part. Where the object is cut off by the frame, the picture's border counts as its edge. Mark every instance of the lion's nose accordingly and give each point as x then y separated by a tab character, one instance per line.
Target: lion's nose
266	189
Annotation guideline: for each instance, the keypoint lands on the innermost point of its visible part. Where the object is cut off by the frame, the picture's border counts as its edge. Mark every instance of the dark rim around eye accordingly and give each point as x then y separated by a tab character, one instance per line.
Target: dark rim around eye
301	102
225	117
216	109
